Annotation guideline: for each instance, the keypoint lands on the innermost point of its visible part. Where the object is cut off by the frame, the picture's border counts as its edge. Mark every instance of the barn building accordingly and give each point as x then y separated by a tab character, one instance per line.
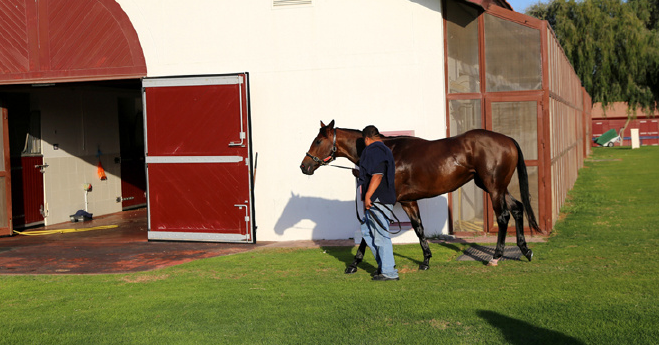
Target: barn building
202	111
617	117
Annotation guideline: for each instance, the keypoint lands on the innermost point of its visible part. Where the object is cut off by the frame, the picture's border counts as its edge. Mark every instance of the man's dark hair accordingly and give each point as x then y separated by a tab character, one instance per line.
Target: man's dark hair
370	131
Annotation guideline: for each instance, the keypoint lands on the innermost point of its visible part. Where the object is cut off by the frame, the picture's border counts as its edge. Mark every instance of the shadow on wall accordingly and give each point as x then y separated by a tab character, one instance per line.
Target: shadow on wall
430	4
521	332
336	219
333	219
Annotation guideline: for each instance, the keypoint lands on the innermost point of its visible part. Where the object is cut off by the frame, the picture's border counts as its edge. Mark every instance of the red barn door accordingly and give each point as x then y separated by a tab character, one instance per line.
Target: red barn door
198	155
5	176
649	132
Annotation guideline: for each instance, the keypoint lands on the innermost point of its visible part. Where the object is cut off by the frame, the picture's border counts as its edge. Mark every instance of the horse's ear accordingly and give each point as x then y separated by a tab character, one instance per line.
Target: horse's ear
331	124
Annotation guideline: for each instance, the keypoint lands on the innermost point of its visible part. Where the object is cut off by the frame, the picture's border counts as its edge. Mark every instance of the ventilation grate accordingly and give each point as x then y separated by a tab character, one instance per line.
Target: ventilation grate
284	3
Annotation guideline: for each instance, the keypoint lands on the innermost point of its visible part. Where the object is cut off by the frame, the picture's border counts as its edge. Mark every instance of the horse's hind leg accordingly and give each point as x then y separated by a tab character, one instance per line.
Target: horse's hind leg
359	256
517	210
412	210
503	217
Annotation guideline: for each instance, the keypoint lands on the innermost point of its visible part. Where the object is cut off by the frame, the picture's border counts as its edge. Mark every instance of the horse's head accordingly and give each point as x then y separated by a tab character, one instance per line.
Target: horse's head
322	150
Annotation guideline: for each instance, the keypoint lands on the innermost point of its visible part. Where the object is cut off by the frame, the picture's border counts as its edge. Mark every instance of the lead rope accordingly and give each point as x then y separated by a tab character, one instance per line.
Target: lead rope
359	218
391	221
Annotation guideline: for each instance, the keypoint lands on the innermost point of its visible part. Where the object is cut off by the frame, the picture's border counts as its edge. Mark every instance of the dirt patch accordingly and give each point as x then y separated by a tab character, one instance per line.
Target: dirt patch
144	278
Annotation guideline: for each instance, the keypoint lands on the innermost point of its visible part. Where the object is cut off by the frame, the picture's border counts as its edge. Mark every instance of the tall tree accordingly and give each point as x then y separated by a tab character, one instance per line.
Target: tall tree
648	12
612	46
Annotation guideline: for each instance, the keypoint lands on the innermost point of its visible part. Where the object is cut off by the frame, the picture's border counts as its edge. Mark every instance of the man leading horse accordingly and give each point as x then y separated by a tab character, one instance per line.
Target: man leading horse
428	168
376	180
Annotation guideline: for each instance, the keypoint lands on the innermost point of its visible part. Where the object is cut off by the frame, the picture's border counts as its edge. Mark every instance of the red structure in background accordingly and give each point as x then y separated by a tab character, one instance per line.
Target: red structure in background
615	117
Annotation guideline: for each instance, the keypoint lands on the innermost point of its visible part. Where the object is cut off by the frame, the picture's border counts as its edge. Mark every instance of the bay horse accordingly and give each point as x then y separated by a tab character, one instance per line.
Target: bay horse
425	169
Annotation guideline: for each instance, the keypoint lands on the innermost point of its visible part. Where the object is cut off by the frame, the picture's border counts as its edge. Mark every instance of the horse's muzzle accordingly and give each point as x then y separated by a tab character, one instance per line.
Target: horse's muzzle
307	169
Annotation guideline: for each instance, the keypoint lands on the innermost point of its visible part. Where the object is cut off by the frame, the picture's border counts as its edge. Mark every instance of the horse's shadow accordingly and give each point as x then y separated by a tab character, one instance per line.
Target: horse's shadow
336	219
446	245
330	217
347	256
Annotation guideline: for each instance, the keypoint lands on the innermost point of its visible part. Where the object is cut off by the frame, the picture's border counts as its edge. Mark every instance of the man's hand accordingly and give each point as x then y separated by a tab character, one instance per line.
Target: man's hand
368	203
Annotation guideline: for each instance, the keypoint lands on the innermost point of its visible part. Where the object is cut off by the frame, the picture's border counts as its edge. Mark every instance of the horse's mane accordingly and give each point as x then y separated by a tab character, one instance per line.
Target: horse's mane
352	130
356	131
397	136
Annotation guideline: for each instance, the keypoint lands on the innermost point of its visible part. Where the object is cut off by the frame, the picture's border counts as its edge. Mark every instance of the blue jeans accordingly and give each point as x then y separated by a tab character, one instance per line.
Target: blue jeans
378	239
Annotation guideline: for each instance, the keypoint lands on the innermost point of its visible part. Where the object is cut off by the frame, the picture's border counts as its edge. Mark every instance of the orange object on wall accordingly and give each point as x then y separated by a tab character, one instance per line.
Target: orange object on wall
101	172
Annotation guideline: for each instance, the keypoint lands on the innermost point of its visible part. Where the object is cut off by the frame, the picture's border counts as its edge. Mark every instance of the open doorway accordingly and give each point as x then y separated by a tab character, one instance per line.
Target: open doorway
131	132
62	136
26	160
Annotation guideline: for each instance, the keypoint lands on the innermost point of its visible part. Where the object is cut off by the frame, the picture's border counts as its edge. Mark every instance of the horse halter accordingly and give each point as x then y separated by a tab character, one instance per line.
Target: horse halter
330	157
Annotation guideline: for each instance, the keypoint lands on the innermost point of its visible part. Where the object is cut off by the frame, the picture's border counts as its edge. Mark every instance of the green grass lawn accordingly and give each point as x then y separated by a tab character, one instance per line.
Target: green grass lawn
596	281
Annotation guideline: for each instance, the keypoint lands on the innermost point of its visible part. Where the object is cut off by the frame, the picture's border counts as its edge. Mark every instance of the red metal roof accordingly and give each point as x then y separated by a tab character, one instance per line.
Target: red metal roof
67	40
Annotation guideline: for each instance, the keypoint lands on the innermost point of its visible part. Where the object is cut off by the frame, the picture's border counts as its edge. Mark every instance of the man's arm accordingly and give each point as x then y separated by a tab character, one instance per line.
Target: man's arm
375	182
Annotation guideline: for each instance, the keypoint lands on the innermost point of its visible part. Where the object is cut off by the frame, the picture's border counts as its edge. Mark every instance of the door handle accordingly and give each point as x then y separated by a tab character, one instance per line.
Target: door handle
41	167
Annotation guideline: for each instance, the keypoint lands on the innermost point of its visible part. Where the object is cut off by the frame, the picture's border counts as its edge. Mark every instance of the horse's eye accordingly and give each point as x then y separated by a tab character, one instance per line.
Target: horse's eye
318	142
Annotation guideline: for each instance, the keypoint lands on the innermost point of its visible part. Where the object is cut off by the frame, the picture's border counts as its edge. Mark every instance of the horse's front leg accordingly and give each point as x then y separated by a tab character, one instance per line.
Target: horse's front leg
359	256
412	210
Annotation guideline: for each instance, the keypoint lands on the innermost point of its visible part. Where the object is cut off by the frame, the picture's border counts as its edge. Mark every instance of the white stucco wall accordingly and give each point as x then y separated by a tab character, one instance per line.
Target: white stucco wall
358	62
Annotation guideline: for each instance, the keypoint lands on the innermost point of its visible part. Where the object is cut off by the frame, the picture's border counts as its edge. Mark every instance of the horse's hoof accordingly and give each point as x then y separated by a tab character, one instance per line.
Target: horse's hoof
529	254
493	262
423	267
350	269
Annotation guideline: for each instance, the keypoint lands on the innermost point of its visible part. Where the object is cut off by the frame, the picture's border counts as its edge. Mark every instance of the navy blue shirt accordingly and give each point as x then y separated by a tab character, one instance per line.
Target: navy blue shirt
378	159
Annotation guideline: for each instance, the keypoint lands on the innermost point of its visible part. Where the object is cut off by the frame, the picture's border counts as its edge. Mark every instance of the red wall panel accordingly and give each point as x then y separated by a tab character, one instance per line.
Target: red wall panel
198	197
200	120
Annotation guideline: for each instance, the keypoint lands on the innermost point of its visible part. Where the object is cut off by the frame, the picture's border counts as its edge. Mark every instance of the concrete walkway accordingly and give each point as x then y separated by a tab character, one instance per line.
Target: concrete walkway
126	249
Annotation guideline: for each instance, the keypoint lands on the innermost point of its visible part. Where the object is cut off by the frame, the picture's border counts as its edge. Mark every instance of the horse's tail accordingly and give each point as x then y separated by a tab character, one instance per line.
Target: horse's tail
524	189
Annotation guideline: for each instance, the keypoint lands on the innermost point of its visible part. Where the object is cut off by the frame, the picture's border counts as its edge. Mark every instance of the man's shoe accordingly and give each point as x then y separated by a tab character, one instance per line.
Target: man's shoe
381	277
